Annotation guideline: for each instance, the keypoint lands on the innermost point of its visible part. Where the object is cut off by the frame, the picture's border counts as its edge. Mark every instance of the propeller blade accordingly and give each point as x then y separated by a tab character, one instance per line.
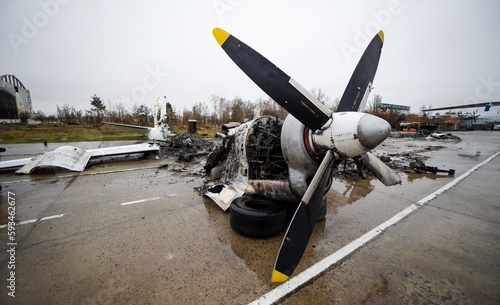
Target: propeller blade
300	228
359	86
383	172
283	89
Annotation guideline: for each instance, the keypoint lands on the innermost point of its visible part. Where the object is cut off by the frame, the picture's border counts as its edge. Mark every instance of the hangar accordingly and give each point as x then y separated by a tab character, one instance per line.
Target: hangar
15	100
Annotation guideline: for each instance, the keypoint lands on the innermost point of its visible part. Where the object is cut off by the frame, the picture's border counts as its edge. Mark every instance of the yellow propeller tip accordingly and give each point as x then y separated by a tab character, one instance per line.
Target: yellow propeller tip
381	35
279	277
220	35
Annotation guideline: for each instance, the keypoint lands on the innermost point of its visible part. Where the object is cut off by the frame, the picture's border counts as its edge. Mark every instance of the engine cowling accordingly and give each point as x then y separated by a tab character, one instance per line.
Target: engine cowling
299	154
347	134
351	134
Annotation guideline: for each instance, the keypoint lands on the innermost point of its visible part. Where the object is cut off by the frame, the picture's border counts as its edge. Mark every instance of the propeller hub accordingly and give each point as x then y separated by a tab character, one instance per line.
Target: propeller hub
372	131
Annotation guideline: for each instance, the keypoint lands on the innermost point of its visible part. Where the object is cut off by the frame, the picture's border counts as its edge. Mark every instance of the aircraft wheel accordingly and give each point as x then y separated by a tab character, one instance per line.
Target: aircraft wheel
257	217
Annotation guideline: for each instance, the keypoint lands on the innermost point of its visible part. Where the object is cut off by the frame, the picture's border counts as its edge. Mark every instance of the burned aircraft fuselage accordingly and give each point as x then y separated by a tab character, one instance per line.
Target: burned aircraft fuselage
277	159
269	157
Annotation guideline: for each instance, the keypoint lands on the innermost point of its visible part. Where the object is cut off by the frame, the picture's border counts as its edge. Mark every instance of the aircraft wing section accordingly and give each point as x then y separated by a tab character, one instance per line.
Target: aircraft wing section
73	158
122	150
12	164
497	103
129	128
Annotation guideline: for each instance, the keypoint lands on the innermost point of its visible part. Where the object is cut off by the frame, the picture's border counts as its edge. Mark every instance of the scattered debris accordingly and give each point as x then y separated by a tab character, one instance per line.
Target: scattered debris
420	166
222	193
185	147
439	135
68	157
428	136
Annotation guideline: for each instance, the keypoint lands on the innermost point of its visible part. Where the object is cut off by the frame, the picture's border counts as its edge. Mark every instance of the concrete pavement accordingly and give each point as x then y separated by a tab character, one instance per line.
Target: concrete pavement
136	232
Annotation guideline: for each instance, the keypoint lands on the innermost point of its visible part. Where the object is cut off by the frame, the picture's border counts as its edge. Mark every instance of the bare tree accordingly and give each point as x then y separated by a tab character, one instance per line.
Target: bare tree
186	115
201	113
224	110
40	116
374	106
64	113
321	96
24	116
270	107
425	114
214	100
120	112
52	118
335	104
423	109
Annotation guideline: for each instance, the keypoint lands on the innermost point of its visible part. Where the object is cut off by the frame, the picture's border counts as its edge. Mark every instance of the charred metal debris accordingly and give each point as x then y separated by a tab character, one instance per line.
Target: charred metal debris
185	148
263	151
266	160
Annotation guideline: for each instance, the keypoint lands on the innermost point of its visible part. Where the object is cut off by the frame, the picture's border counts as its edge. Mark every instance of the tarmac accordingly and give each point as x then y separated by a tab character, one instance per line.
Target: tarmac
136	232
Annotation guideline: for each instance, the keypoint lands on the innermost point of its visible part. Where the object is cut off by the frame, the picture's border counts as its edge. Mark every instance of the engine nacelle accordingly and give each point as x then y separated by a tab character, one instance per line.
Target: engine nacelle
347	134
351	134
299	154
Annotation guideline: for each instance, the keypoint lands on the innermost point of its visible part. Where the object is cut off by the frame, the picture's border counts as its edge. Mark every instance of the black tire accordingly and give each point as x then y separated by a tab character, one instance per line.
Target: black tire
257	217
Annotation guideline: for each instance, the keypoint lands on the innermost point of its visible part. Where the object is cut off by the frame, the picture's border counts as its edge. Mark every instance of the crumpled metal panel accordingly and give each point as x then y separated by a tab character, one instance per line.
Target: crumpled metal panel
223	194
69	157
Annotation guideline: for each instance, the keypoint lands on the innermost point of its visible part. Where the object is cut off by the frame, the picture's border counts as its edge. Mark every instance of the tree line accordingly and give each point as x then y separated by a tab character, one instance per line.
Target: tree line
217	110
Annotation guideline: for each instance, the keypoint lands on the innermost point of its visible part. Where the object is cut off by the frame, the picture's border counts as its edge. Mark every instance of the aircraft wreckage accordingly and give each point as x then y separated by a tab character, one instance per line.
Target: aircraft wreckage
76	159
73	158
267	167
274	162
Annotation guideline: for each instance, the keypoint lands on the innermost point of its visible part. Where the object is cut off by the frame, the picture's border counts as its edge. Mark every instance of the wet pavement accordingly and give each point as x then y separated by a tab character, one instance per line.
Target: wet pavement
136	232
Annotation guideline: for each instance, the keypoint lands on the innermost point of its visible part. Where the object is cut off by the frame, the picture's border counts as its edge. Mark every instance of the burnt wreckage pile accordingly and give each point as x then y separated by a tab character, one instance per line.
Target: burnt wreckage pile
185	147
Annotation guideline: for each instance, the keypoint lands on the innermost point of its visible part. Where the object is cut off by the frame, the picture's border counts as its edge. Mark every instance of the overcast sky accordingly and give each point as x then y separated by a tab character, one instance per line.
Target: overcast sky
435	53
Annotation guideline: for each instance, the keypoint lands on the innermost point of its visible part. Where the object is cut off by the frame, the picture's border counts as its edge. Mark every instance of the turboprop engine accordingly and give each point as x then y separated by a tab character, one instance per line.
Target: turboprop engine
347	134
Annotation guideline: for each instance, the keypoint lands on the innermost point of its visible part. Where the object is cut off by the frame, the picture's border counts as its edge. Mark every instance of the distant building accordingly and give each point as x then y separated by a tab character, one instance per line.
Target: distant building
15	99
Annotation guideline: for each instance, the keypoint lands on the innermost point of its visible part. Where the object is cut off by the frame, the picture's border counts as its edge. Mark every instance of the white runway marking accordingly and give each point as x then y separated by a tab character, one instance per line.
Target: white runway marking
147	199
315	270
34	220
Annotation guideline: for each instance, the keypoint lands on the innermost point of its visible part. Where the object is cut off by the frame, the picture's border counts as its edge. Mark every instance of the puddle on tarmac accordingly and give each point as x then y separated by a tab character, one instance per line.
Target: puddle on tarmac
349	191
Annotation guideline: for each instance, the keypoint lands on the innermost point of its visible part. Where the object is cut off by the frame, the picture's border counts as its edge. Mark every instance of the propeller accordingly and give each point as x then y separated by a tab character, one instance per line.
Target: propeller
334	134
359	86
283	89
301	226
355	97
383	172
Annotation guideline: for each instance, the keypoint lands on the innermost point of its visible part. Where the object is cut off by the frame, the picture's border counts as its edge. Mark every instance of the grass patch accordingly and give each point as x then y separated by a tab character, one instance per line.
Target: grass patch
55	134
18	133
